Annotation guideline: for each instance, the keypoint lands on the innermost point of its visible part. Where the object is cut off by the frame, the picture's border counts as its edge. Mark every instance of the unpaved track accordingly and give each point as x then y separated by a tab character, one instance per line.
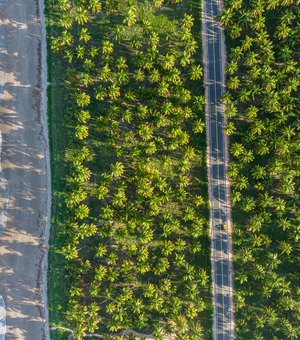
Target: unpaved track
25	166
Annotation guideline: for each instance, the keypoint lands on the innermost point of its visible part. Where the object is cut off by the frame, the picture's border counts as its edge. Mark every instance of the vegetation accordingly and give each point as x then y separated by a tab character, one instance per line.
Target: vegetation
135	231
263	107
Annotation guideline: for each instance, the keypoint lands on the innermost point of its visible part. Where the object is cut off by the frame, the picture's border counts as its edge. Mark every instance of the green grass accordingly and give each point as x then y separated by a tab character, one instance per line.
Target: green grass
57	276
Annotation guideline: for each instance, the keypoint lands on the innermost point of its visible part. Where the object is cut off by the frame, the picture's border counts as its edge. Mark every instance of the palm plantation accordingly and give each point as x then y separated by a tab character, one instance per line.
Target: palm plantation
131	233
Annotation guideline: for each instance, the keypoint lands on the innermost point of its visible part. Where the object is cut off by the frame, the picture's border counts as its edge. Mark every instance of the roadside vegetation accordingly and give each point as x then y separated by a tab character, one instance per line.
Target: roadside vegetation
263	107
133	226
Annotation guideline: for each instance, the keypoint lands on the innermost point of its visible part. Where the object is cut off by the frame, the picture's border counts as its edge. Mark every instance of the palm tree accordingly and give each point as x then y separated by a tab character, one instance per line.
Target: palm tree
276	168
283	31
255	223
107	48
233	170
122	77
154	76
184	95
226	98
65	20
257	8
196	72
231	67
158	3
131	16
75	197
251	112
173	76
163	89
100	93
187	21
251	58
95	6
81	15
102	192
247	157
257	127
259	172
89	66
185	60
153	40
244	95
287	185
81	174
235	56
136	42
114	91
262	148
237	149
272	4
105	73
63	5
234	31
80	52
168	61
198	126
82	99
82	211
241	182
66	38
145	131
119	197
57	45
226	17
280	206
145	188
255	72
229	129
117	170
161	266
139	75
233	83
86	230
248	203
84	35
190	48
285	248
85	79
81	131
258	23
265	200
121	63
244	19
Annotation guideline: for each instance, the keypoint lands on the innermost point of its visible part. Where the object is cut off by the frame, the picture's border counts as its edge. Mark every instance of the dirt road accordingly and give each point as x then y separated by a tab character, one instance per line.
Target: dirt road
25	170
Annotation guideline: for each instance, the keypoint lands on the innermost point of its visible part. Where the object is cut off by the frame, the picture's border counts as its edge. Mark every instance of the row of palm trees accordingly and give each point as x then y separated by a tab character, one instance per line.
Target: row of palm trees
137	245
263	111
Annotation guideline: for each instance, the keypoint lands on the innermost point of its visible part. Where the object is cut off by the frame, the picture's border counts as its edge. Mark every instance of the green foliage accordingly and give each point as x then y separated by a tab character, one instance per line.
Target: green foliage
263	86
137	222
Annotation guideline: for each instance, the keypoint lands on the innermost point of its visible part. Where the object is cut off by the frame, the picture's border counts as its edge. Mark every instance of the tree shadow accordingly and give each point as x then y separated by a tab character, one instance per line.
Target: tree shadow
24	168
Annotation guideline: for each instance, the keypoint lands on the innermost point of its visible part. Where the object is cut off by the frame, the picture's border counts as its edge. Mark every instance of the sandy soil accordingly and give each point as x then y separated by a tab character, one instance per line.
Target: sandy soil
25	169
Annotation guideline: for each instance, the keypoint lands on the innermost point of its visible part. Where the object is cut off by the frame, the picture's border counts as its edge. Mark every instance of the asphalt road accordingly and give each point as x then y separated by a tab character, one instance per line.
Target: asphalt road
221	254
24	171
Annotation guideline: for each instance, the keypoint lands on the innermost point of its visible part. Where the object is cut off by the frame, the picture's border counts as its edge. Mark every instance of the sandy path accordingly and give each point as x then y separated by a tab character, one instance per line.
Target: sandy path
25	167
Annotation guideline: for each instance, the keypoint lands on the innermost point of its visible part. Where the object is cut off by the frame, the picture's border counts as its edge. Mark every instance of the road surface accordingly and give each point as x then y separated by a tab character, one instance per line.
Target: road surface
24	171
221	253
